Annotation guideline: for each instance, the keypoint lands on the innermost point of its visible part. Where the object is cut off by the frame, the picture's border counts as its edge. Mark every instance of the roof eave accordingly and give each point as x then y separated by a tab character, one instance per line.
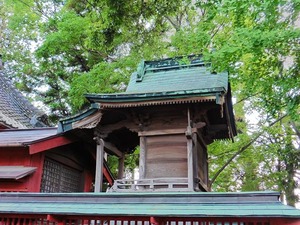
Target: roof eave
139	97
68	124
195	204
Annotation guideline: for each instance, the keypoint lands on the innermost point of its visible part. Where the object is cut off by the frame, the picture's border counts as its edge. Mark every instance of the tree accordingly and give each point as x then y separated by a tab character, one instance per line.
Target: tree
21	36
252	40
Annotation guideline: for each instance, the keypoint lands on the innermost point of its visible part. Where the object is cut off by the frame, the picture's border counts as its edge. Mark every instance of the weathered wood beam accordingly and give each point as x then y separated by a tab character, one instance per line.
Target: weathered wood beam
104	130
112	148
201	140
199	125
49	144
99	164
90	121
165	132
202	184
229	122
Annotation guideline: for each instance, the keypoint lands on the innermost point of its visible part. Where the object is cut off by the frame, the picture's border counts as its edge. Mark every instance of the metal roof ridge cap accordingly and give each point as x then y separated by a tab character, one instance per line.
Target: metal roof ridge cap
147	94
128	198
149	194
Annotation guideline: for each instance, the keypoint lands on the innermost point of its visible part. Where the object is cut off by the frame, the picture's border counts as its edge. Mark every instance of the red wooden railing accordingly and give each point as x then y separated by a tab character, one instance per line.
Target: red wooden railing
89	220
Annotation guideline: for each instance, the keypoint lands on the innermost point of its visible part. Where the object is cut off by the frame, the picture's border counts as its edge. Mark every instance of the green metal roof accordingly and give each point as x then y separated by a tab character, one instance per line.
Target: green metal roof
170	78
139	97
199	204
169	75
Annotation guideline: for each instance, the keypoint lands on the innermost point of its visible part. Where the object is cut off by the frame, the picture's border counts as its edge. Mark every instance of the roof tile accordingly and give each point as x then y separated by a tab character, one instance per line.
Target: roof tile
15	110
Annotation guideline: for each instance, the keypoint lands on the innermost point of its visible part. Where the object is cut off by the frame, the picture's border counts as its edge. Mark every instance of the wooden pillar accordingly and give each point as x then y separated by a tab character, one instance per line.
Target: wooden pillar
142	167
121	167
190	153
34	181
195	160
190	164
99	164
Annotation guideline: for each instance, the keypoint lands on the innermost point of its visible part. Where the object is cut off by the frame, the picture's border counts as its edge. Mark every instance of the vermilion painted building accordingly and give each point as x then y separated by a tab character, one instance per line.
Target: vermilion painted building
40	160
34	157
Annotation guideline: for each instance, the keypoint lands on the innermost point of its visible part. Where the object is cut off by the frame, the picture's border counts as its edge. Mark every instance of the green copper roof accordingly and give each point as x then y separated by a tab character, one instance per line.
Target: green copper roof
171	78
135	97
175	75
197	204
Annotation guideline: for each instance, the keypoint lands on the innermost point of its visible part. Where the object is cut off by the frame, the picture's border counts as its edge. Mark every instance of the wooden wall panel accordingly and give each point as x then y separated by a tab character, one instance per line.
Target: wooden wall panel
18	157
166	156
14	157
166	117
14	186
201	160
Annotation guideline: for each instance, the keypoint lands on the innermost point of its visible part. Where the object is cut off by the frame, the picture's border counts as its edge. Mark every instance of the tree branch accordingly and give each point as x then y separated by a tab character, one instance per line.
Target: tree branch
214	32
296	129
38	12
241	150
176	26
247	97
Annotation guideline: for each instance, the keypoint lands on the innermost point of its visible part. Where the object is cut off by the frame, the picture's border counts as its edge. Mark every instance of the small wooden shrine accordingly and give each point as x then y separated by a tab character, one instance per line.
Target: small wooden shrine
172	109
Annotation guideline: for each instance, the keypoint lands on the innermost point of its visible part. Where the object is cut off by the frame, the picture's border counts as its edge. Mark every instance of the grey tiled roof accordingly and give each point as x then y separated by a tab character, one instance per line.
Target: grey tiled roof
15	110
23	137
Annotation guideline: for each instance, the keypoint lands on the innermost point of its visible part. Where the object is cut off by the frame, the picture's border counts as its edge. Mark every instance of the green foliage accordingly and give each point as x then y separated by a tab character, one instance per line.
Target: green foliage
271	163
130	163
104	77
219	153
